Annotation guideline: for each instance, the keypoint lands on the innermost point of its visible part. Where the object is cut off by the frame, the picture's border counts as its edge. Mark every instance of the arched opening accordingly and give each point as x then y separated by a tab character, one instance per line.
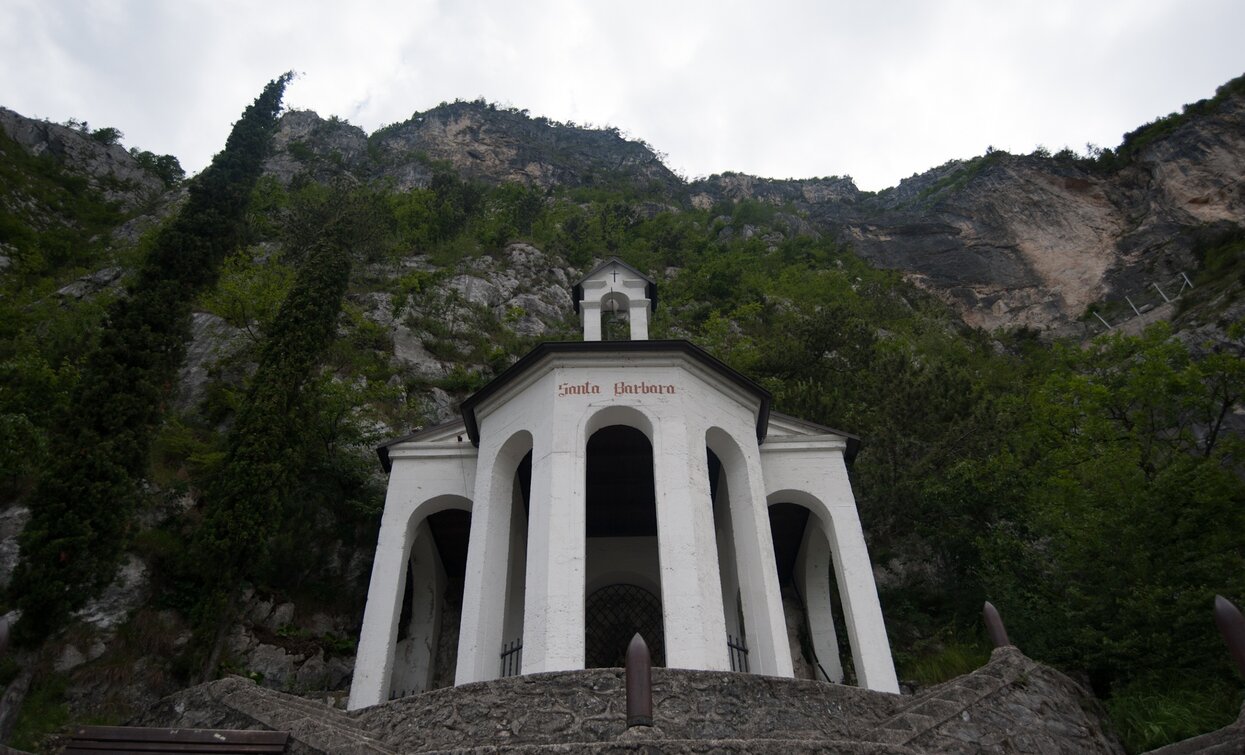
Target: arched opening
621	544
427	641
809	592
732	601
615	317
511	655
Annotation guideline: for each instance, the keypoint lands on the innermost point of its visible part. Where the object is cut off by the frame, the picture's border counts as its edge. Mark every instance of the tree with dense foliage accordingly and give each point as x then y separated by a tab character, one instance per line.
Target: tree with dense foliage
82	509
1123	512
247	500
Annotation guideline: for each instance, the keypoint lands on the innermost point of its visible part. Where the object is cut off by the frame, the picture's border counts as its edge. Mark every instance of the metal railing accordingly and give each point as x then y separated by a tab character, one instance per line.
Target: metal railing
737	648
512	658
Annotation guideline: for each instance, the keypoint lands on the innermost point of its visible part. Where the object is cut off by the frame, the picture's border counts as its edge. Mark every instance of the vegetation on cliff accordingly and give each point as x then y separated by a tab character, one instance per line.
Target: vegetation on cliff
1092	491
82	509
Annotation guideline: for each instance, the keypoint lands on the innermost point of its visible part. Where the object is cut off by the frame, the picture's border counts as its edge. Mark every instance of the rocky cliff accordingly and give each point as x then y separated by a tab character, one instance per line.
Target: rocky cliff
1009	240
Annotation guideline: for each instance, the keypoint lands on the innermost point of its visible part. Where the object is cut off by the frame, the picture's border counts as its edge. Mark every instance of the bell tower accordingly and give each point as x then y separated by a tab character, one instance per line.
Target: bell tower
615	289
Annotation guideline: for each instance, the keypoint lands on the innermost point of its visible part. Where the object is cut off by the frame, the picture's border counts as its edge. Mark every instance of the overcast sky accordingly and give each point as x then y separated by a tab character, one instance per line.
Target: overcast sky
874	89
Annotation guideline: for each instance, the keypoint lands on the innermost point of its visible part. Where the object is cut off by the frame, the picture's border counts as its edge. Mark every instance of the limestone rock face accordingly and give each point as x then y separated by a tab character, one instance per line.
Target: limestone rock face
1008	240
109	168
306	143
485	142
476	140
1028	240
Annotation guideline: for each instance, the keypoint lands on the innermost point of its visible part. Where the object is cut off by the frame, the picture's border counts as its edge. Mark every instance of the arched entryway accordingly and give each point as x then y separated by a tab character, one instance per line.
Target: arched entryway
623	580
426	648
809	594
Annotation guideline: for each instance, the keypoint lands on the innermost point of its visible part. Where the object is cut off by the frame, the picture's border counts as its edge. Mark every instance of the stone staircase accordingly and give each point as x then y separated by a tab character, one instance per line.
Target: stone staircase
938	705
238	703
1012	704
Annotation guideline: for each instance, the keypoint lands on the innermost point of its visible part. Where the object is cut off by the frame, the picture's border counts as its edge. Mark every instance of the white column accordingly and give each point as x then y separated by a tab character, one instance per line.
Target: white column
769	652
691	587
374	660
590	311
553	610
812	573
637	312
862	611
484	583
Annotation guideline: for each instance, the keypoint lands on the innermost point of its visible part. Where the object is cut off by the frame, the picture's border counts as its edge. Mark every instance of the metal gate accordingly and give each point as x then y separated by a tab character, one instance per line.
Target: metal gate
615	613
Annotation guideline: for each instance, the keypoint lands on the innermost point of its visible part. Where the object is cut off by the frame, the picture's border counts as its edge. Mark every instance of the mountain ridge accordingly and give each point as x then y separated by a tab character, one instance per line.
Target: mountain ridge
1009	241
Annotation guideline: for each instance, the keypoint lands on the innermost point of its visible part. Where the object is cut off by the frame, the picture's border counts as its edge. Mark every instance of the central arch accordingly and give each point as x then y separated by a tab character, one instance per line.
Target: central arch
622	587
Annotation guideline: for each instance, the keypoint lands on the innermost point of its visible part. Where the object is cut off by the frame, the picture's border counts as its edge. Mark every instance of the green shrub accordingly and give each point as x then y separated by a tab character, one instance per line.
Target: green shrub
1147	715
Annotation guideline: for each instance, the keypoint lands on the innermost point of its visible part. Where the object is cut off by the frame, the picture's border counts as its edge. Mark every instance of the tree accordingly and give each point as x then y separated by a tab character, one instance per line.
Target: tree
84	502
1122	468
246	501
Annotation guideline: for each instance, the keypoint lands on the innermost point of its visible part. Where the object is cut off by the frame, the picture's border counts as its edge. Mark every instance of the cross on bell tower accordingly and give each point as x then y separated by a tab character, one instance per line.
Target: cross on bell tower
619	289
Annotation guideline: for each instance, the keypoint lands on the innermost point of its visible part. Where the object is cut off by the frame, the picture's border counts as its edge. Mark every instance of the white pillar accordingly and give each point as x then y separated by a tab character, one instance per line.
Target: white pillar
812	573
862	611
769	652
488	552
374	660
638	314
590	312
691	588
553	610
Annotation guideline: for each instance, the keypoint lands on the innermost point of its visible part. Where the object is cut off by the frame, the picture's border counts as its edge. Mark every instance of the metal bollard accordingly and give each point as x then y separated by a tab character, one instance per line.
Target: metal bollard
639	673
1232	626
994	625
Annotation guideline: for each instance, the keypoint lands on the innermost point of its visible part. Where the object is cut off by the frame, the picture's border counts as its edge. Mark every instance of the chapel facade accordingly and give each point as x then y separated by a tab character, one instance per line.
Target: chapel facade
603	487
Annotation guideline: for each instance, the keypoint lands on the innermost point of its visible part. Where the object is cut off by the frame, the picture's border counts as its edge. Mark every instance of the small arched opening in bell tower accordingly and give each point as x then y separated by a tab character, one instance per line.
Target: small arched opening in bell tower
615	317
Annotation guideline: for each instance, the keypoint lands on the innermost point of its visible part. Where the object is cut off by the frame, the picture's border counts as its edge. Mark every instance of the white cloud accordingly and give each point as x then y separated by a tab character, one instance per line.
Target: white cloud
784	88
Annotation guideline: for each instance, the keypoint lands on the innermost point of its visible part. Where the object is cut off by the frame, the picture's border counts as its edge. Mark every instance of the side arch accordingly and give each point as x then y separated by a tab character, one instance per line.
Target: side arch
748	520
811	578
373	676
853	573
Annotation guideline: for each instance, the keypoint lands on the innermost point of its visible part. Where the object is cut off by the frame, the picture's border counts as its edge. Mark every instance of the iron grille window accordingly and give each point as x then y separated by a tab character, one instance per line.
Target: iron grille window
613	615
512	658
738	650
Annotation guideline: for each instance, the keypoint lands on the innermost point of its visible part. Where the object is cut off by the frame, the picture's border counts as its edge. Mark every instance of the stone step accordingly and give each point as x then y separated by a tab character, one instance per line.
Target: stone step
673	746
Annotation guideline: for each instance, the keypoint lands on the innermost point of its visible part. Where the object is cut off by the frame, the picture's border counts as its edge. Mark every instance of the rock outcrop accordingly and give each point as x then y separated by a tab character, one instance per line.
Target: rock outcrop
108	168
1008	240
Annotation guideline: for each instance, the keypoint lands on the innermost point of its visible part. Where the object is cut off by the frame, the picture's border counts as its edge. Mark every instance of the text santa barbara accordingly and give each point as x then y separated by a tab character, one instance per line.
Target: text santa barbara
621	388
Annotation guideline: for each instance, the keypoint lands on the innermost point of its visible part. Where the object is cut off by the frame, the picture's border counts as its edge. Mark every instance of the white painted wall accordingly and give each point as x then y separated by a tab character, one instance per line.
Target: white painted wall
811	472
422	482
704	559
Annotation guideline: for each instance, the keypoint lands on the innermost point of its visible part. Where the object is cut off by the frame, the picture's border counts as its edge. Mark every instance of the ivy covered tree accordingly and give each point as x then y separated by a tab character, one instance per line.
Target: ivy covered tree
248	499
82	508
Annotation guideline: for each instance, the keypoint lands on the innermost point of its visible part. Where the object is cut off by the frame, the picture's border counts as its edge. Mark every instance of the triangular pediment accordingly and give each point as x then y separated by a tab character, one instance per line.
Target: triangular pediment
452	431
786	426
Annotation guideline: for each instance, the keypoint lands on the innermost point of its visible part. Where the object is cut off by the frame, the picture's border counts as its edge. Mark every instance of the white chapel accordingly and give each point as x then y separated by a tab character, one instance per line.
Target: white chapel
602	487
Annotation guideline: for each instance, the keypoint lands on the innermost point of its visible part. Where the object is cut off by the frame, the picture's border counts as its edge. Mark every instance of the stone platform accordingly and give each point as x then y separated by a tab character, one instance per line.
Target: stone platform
1012	704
